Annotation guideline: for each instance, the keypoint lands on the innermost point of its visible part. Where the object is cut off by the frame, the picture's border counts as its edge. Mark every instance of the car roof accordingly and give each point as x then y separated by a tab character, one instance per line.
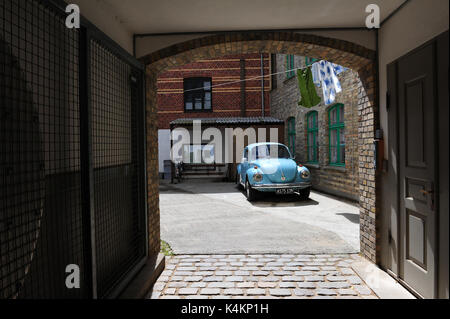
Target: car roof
264	143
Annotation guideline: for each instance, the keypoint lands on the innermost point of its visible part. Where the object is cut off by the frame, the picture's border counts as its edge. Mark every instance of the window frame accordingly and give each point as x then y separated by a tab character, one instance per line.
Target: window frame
200	79
338	126
290	64
309	61
315	132
291	132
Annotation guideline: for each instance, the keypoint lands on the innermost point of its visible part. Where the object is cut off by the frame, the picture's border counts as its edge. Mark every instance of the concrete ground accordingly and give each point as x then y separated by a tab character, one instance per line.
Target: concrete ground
215	218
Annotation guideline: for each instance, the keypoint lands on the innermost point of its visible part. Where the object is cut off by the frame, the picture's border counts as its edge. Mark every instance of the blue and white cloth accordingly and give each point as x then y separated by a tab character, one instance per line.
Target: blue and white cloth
315	73
325	74
338	69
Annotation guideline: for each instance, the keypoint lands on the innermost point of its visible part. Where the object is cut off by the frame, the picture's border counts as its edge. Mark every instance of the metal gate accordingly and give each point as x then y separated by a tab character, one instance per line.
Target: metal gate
72	177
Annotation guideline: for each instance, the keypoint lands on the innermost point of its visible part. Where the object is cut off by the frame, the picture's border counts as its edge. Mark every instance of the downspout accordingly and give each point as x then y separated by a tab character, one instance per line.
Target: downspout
172	166
243	96
262	84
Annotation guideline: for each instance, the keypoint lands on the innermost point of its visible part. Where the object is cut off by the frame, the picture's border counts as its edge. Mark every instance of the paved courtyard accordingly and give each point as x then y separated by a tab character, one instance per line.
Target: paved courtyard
199	217
260	276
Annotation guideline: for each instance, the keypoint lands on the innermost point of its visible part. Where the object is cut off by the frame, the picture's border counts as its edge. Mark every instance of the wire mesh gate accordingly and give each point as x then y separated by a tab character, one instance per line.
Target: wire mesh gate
72	178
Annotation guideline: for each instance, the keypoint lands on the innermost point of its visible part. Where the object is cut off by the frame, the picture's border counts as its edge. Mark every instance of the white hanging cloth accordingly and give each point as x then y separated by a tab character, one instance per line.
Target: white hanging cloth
325	74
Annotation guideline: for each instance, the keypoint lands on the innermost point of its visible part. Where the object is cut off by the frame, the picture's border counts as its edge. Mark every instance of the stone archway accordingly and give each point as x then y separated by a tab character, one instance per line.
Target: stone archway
342	52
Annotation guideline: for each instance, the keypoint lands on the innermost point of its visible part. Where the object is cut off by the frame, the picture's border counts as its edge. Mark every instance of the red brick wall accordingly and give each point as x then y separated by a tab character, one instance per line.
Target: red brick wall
226	99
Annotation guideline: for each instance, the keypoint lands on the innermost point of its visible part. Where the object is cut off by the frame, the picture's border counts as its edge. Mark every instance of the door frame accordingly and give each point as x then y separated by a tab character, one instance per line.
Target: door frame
394	247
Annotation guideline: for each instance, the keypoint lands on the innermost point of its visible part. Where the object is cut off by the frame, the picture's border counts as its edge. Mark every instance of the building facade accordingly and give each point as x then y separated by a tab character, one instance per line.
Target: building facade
226	87
324	137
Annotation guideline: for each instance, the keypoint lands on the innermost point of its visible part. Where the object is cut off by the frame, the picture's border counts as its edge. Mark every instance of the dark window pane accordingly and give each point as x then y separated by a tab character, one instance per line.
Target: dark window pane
333	153
197	95
198	104
312	120
333	146
333	117
342	154
333	138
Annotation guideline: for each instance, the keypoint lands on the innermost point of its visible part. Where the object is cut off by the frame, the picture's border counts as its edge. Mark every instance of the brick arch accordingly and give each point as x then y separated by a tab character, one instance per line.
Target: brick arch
342	52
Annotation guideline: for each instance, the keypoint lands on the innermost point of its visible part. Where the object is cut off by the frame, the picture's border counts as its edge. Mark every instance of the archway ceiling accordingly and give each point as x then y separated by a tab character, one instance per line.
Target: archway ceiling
170	16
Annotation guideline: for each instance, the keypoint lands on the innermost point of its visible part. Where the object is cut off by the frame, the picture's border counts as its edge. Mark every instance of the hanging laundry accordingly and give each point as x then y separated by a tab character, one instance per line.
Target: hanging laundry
315	74
329	80
315	71
338	68
309	97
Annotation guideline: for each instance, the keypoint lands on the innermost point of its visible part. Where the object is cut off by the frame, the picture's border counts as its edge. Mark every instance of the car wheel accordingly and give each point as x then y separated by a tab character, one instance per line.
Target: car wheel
250	192
238	181
304	193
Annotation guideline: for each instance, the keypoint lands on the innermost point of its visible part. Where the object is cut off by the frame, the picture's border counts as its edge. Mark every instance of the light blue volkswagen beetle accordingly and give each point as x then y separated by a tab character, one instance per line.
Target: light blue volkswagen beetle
270	167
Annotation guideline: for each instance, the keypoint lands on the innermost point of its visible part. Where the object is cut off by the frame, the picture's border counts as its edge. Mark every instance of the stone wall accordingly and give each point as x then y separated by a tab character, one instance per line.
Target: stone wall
356	57
341	181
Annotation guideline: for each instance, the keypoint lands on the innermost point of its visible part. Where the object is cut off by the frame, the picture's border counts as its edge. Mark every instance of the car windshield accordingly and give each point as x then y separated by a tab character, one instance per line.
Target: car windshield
271	151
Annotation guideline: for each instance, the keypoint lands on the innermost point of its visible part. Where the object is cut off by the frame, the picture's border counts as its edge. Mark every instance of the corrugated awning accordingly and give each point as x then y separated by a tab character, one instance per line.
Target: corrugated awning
228	120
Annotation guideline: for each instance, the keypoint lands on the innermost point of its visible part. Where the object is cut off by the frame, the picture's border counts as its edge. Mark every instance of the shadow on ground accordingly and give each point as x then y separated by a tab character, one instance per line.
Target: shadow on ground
273	200
351	217
263	200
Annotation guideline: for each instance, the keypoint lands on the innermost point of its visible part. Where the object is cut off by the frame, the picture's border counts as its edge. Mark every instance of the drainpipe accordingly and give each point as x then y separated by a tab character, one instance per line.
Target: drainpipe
172	166
262	84
243	97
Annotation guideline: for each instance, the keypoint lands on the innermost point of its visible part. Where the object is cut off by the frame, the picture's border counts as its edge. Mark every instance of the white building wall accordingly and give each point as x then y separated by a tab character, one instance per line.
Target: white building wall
163	148
414	24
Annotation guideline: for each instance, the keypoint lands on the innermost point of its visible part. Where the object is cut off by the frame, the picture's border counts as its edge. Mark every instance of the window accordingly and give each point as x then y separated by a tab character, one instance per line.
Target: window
309	61
270	151
291	134
245	154
197	94
290	66
336	135
312	141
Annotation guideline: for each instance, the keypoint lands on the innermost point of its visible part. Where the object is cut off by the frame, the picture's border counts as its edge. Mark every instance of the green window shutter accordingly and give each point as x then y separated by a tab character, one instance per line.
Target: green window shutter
290	66
309	61
336	135
312	129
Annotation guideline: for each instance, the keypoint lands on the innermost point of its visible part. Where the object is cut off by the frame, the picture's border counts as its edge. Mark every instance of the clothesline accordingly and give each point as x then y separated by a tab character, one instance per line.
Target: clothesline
249	79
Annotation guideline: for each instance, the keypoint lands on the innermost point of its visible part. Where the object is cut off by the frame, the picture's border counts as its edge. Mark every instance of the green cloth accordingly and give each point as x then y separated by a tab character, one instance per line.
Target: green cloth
309	97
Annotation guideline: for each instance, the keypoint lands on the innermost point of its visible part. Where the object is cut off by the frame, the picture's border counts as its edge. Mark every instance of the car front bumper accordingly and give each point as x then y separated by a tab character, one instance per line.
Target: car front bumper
273	187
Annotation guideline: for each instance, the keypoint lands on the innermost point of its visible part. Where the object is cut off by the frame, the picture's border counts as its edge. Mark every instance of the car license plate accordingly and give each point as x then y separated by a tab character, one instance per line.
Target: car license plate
284	191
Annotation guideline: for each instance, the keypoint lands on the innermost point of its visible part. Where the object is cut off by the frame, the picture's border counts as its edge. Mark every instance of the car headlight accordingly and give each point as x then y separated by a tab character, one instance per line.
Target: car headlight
257	177
305	174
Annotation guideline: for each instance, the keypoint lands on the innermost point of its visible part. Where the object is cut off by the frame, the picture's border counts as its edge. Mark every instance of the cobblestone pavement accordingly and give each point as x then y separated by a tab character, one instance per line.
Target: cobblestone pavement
260	276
